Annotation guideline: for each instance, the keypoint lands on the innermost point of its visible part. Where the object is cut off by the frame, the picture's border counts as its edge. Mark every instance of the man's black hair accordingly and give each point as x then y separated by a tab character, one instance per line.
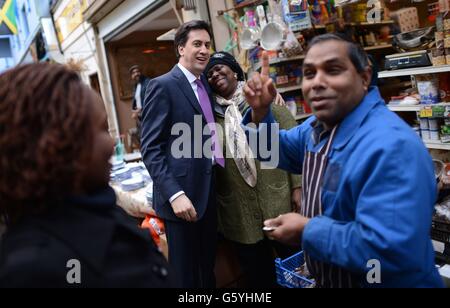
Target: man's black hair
356	53
182	35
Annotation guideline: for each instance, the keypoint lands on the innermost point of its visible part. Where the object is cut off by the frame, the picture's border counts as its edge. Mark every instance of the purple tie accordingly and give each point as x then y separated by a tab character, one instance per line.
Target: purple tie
205	103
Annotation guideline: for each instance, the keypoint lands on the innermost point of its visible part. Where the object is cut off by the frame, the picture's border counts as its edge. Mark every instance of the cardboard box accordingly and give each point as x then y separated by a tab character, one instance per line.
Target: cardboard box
408	19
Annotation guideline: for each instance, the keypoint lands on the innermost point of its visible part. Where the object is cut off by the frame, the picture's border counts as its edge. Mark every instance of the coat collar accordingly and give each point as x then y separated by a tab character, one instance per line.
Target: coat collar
87	225
353	121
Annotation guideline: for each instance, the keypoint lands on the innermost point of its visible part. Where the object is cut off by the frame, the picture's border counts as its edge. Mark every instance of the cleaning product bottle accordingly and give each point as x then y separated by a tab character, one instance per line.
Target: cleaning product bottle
119	149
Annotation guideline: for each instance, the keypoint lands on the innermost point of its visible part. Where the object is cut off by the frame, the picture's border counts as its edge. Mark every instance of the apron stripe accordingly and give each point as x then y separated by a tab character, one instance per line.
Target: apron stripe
314	166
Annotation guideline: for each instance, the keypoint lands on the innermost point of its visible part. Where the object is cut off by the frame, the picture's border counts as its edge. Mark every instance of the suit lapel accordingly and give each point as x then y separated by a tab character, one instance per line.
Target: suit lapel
186	88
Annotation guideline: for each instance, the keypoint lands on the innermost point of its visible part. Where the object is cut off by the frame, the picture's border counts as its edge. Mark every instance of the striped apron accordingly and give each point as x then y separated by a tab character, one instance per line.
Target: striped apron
314	166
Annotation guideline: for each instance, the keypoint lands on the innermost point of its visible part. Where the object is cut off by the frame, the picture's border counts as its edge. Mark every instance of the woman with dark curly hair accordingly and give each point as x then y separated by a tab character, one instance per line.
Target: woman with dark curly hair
63	226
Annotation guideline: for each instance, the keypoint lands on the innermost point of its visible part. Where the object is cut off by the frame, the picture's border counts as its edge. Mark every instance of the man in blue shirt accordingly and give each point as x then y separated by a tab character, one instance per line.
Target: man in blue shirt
368	181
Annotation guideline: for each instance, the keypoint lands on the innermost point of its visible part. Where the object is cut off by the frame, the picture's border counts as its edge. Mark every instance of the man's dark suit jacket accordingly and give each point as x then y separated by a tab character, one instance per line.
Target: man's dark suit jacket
171	100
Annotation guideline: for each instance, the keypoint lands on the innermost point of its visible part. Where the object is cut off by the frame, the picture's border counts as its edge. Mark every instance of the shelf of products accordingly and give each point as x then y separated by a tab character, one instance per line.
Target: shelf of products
415	71
381	46
415	108
405	108
437	145
258	65
282	90
280	60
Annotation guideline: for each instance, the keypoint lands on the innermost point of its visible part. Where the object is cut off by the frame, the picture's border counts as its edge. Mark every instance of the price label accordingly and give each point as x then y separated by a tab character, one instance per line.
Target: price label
426	113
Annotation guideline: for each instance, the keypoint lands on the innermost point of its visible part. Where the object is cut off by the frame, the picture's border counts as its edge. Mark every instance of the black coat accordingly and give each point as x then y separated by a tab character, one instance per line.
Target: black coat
111	250
144	82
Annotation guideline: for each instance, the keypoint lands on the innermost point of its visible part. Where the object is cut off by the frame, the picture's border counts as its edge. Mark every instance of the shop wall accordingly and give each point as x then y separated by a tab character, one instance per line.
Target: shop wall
28	24
221	31
155	59
80	46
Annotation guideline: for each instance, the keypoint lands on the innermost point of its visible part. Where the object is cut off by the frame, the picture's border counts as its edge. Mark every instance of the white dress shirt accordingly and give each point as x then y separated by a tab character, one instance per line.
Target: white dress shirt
137	96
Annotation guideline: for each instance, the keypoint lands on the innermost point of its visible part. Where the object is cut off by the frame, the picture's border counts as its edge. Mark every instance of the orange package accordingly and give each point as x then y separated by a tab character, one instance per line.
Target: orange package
156	227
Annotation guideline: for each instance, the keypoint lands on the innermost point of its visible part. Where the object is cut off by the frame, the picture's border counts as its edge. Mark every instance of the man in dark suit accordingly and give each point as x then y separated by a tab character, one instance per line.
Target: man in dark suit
140	87
184	193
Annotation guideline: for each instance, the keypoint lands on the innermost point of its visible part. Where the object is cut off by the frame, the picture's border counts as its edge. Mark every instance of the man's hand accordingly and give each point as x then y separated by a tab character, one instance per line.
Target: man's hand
288	229
296	200
184	209
260	91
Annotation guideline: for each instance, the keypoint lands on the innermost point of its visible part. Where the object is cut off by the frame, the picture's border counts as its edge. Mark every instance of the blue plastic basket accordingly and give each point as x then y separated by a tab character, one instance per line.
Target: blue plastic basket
286	275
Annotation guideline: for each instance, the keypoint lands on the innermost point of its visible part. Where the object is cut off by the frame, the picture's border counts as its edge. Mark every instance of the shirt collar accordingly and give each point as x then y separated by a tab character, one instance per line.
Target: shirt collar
319	132
353	121
190	77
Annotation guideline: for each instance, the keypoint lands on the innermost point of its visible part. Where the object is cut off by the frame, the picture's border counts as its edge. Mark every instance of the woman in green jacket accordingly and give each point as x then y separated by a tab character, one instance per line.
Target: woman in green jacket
246	194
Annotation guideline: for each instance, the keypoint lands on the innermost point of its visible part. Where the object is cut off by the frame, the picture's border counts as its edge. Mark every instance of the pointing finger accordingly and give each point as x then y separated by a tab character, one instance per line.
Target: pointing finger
265	70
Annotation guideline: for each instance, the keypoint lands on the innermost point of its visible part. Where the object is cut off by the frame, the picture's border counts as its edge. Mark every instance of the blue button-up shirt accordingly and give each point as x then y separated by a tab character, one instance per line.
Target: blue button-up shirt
378	195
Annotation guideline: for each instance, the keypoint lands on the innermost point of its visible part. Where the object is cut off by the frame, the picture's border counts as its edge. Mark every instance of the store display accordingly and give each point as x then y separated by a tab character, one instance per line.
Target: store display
296	15
434	135
428	86
445	132
425	134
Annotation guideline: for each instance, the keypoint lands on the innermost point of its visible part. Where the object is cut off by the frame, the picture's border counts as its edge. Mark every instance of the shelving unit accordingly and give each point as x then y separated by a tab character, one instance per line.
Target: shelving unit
415	71
280	60
415	108
382	46
289	89
258	65
437	145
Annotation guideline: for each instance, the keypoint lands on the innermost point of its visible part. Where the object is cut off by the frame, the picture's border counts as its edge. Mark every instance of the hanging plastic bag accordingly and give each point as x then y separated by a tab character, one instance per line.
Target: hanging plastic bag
291	46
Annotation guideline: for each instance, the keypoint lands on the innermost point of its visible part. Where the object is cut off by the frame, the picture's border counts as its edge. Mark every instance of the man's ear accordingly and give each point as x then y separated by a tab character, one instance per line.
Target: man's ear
181	51
366	76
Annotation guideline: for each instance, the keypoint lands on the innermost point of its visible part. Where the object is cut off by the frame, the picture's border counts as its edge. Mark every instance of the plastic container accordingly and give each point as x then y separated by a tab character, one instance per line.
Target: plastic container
433	124
434	135
286	275
425	134
424	124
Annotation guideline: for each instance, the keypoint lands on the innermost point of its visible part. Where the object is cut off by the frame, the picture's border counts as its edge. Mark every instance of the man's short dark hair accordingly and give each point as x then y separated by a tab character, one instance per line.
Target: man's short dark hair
356	53
182	35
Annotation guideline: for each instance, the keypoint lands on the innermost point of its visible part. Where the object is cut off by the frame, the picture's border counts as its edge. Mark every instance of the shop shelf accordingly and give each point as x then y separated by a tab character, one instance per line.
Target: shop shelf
289	89
376	47
280	60
400	108
286	275
415	71
434	145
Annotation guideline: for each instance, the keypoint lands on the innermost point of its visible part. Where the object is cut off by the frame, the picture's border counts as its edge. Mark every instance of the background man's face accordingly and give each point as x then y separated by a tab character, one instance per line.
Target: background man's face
195	55
331	84
136	74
